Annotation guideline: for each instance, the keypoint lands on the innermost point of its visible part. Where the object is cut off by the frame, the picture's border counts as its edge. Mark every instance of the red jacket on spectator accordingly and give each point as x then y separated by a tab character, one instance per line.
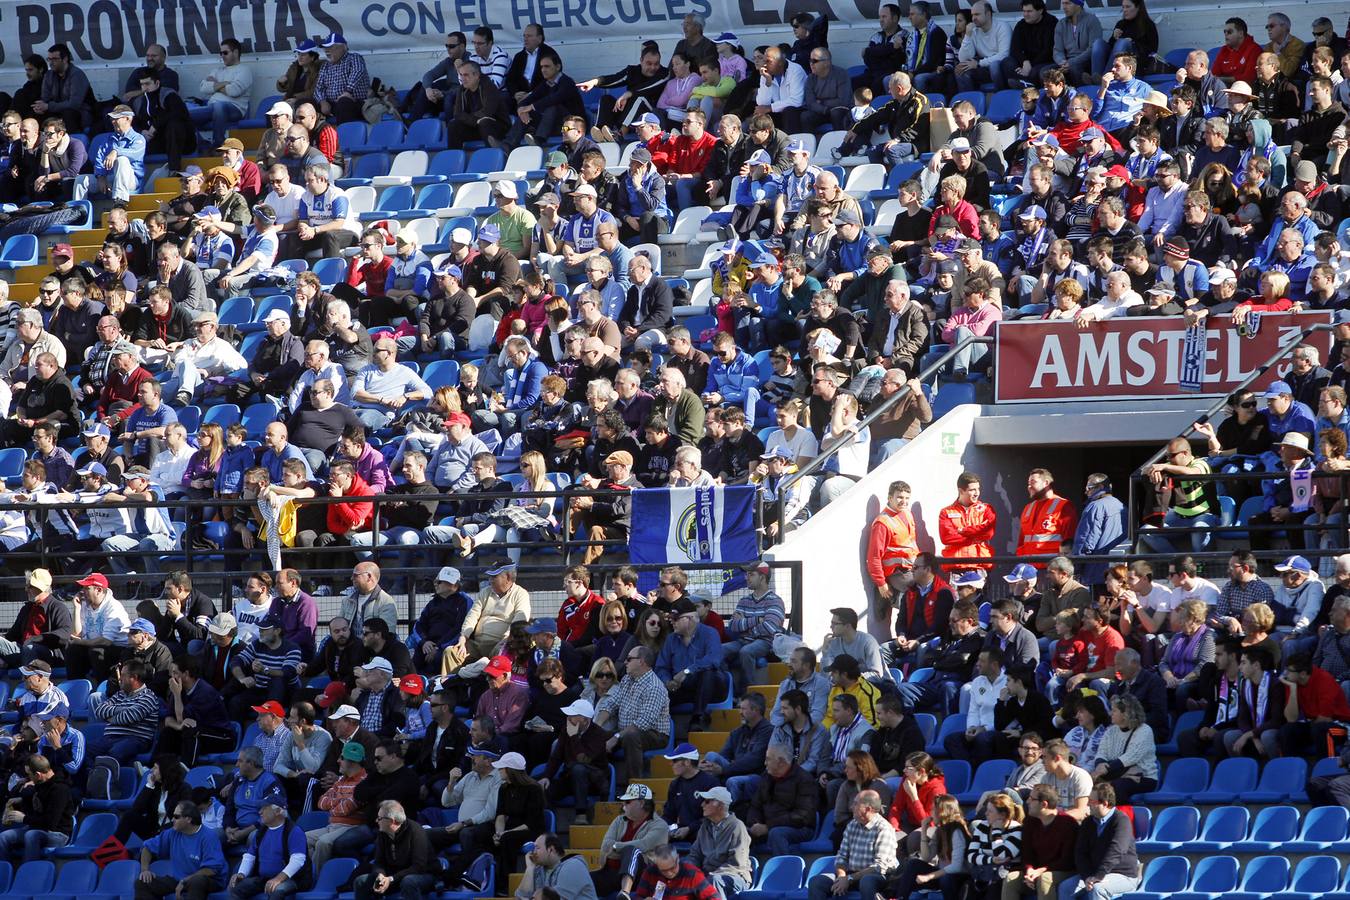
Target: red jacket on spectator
250	180
967	219
372	275
683	156
1322	697
327	141
1069	653
1239	64
906	814
354	515
575	617
118	388
1070	136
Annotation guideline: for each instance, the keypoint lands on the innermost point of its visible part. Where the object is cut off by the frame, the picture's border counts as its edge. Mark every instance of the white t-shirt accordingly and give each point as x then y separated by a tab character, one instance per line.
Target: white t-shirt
853	457
803	444
1159	599
1204	589
249	616
287	208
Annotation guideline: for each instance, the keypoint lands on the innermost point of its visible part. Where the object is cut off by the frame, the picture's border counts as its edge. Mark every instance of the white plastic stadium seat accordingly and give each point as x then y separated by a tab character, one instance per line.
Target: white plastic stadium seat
653	253
521	160
704	270
406	166
699	299
828	141
611	152
468	198
886	215
426	230
686	225
864	179
361	199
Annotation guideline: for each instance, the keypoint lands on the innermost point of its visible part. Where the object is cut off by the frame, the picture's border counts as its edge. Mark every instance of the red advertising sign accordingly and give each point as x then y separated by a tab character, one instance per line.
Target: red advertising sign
1138	358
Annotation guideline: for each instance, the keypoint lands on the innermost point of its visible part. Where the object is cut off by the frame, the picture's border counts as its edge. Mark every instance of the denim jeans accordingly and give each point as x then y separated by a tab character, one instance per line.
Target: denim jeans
783	839
220	115
399	534
1112	885
741	657
33	841
1200	537
969	355
1105	50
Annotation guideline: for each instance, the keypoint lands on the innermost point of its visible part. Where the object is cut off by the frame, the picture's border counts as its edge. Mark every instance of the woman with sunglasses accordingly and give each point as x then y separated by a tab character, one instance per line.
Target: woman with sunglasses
602	679
614	639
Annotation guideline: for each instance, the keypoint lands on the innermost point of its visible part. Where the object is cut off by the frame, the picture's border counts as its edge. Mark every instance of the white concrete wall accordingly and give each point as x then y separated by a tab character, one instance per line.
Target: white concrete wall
831	544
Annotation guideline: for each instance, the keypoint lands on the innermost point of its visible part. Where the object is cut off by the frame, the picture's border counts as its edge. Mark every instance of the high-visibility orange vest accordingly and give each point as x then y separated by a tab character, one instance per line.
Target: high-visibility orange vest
1046	524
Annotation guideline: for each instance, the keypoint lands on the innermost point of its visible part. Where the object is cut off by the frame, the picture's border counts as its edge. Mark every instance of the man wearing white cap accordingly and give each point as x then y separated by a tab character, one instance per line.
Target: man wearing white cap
42	625
576	765
514	221
378	699
280	117
632	833
276	363
579	235
409	273
1278	505
722	847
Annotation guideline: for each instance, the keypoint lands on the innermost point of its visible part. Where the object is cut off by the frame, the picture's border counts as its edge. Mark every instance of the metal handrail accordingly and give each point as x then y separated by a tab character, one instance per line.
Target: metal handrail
875	413
1284	350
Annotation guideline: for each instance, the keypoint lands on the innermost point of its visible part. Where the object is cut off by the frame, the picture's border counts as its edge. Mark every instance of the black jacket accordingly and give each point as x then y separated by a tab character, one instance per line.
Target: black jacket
955	658
279	361
406	852
905	119
486	102
1182	134
515	74
791	800
52	400
1033	43
724	163
49	805
1151	691
1108	850
1211	240
168	108
655	310
438	755
453	314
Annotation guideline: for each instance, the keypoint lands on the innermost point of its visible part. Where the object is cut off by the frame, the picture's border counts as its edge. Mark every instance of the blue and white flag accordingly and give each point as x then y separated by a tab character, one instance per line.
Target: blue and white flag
1301	489
1193	359
679	526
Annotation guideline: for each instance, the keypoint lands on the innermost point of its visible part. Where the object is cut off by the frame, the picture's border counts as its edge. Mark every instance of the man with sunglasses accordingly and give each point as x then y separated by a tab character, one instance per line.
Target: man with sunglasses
298	153
197	861
435	93
637	709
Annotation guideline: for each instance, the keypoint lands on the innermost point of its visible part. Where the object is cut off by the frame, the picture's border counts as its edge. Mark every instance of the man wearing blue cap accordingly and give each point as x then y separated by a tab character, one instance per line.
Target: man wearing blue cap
1298	604
490	275
343	83
1028	256
448	312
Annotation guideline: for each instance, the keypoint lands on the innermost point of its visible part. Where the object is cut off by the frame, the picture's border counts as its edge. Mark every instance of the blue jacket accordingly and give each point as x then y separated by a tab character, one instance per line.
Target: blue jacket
1299	417
129	146
849	256
1265	254
247	798
650	197
732	381
234	462
703	652
1121	104
1049	111
520	387
1101	527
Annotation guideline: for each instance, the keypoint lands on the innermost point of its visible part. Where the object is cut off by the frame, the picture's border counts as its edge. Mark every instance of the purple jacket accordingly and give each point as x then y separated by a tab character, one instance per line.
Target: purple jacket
373	469
299	619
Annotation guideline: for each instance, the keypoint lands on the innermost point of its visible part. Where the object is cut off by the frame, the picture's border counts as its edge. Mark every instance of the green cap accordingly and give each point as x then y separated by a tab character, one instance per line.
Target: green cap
354	752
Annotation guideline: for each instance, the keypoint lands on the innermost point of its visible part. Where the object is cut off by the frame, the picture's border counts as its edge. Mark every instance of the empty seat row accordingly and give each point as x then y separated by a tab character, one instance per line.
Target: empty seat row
1263	878
1233	828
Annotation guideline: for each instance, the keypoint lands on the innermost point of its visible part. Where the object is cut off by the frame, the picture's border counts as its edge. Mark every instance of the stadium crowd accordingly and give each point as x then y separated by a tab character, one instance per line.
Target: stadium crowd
408	750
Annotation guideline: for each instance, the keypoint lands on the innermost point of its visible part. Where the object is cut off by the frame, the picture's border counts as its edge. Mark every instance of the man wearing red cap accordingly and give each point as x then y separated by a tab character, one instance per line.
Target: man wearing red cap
271	735
100	633
505	701
449	466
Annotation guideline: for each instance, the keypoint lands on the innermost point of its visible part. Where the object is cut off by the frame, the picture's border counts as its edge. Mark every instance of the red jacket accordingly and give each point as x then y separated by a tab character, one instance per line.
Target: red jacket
1070	136
1045	525
116	389
891	544
354	515
905	814
683	156
1239	64
574	617
372	275
967	219
250	180
966	532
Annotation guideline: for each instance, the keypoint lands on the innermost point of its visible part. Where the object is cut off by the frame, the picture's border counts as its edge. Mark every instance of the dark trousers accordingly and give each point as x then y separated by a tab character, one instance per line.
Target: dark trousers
345	109
580	782
195	887
327	243
240	700
192	743
82	661
1261	540
649	226
837	118
412	887
176	139
486	130
698	689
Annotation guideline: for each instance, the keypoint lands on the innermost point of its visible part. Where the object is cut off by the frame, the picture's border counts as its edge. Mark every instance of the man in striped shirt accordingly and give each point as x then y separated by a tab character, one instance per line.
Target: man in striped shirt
491	59
266	669
758	618
131	713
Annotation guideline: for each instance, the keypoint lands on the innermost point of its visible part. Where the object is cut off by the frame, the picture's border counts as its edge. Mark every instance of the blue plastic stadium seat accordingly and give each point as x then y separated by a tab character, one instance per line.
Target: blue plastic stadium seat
1274	827
1181	779
77	877
32	878
1004	106
951	395
951	725
236	311
222	414
117	880
441	373
975	97
256	418
990	776
1323	827
480	162
1263	876
331	879
1280	779
1232	778
1187	721
330	271
384	135
956	772
1224	826
1213	876
440	167
1163	876
20	250
365	168
1315	877
1175	826
424	134
393	200
93	830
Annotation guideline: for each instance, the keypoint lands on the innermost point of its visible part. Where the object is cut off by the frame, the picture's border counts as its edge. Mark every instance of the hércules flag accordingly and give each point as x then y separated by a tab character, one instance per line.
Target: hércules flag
678	526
